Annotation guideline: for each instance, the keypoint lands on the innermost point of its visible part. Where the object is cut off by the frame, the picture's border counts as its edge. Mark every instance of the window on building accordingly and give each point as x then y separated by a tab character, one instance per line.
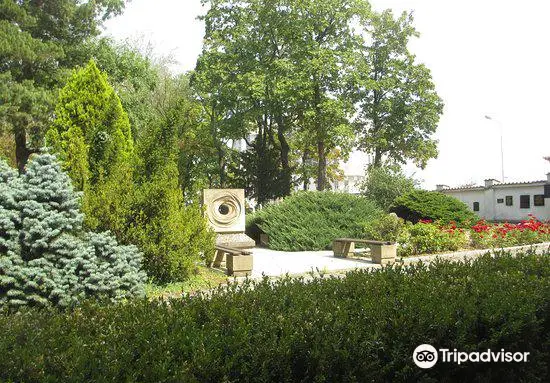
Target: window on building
500	200
509	200
524	201
476	206
538	200
547	190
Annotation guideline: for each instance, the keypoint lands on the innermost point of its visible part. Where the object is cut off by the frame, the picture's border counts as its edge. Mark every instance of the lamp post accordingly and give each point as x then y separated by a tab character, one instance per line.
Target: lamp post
501	147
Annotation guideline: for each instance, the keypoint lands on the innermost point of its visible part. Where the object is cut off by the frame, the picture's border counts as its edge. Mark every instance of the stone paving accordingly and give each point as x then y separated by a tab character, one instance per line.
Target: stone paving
275	263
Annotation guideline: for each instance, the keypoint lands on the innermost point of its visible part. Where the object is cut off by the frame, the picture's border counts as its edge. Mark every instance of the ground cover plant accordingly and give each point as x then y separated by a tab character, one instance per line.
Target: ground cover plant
435	206
360	328
312	220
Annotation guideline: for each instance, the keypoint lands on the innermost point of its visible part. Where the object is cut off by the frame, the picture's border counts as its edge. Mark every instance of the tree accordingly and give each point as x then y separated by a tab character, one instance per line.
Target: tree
399	108
91	131
39	42
384	184
45	256
271	67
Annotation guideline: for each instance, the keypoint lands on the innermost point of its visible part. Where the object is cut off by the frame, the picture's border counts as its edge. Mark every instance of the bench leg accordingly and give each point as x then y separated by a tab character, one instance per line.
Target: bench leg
384	254
343	249
219	258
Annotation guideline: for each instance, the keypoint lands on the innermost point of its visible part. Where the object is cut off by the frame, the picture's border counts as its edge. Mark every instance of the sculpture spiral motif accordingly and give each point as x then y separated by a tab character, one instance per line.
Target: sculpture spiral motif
225	209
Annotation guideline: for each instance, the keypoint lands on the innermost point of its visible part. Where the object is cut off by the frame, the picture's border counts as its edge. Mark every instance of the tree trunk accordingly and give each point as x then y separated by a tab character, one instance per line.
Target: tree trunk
22	153
321	166
285	163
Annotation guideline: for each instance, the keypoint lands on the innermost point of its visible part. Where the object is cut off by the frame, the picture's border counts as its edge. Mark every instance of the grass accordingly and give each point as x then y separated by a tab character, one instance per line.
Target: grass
205	279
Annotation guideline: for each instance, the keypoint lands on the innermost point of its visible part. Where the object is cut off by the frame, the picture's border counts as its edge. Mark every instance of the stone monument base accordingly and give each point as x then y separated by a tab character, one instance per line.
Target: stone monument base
237	240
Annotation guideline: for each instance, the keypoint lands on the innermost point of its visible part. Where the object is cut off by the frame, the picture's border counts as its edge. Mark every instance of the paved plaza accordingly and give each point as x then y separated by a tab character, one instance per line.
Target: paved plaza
273	263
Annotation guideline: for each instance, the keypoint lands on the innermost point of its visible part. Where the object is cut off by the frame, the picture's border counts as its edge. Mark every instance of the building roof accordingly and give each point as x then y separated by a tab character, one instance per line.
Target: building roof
467	188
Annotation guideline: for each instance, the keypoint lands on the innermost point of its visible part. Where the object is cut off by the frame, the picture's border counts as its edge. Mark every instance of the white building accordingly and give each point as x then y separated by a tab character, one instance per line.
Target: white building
505	201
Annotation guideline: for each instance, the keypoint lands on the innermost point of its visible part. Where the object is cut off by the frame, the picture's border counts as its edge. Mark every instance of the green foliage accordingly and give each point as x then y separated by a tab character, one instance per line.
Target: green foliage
45	256
384	184
39	42
422	204
91	131
360	328
143	205
399	106
387	228
312	220
428	238
173	237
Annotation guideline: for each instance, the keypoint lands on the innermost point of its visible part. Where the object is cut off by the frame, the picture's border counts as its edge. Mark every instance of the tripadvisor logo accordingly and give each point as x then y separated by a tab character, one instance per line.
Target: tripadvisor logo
426	356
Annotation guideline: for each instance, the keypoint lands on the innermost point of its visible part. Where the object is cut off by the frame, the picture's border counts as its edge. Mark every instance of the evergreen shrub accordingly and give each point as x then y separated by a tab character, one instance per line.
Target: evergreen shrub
431	205
312	220
45	256
361	328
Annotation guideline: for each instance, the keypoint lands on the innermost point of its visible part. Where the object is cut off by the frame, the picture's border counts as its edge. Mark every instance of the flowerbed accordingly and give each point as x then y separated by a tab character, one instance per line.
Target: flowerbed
428	237
485	235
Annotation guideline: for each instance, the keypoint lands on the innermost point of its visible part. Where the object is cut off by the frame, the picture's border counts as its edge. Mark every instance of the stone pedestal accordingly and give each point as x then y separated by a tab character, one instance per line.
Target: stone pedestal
384	254
239	265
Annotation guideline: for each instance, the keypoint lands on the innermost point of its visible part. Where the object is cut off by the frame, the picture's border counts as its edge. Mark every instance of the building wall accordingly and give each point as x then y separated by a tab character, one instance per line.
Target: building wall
490	209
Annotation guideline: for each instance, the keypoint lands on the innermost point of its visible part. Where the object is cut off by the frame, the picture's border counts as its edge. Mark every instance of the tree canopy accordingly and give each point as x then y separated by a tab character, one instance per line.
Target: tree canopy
40	42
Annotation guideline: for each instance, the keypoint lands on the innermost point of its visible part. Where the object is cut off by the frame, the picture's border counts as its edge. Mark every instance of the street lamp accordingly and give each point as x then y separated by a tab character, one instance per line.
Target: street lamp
501	148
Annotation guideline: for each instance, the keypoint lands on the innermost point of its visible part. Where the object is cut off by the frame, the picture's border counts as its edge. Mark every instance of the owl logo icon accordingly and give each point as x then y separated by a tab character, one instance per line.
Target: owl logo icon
425	356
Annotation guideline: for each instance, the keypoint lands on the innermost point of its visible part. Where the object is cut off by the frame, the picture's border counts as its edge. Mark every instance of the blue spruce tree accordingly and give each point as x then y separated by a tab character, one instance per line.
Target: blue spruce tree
45	256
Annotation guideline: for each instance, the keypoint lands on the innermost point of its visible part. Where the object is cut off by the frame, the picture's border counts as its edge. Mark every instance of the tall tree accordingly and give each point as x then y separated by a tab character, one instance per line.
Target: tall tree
91	131
399	108
271	67
39	42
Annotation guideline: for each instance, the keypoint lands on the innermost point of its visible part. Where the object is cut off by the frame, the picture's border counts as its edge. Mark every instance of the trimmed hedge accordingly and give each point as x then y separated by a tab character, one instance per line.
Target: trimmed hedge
356	329
311	220
423	204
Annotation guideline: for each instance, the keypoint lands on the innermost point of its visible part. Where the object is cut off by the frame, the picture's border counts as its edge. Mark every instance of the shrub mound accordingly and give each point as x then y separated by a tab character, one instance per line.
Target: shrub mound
45	256
311	220
422	204
360	328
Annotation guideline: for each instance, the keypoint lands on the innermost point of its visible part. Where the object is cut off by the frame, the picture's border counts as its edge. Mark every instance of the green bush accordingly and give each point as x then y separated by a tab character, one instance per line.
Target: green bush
361	328
45	256
384	184
429	238
422	204
388	228
311	220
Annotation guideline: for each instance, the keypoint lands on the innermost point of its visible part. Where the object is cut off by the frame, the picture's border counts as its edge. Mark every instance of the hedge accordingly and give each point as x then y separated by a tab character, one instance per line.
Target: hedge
431	205
356	329
311	220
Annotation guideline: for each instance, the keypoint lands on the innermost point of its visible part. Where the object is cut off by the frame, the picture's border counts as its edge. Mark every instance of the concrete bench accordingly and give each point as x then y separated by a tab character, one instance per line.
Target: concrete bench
238	261
382	252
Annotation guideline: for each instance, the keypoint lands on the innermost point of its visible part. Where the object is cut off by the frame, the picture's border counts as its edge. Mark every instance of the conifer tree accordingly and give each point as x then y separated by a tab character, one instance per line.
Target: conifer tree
91	131
45	256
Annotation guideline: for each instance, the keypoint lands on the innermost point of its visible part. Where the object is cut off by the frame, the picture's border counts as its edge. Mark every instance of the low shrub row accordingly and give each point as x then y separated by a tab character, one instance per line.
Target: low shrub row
312	220
356	329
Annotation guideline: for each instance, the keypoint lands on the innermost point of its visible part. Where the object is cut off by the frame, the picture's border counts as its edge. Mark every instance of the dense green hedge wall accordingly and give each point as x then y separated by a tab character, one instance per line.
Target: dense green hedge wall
422	204
311	220
360	328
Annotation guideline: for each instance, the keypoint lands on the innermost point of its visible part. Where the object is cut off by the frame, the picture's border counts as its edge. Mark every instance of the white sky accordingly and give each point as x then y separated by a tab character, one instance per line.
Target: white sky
487	57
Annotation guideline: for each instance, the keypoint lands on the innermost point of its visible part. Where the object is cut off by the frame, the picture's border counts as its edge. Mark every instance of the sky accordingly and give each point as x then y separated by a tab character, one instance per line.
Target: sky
487	58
